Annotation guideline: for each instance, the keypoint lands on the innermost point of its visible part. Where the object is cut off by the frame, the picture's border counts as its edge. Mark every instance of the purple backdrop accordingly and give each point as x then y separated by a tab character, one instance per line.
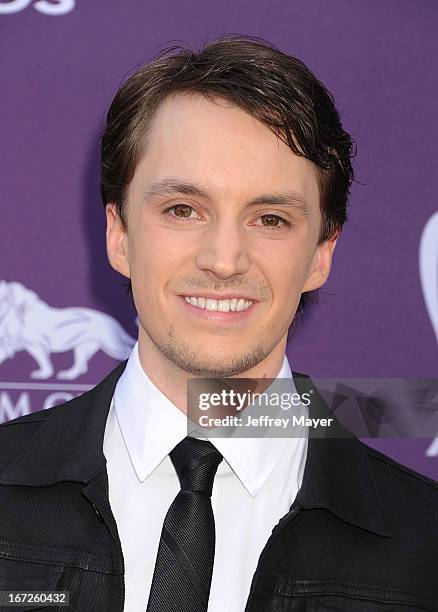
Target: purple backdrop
59	74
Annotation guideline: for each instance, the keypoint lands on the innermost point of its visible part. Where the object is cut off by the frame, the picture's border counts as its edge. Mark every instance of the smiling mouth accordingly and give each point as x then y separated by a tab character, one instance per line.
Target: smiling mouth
224	305
222	311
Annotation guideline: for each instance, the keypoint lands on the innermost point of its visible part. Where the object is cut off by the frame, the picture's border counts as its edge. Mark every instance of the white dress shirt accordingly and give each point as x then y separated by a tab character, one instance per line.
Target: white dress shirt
255	485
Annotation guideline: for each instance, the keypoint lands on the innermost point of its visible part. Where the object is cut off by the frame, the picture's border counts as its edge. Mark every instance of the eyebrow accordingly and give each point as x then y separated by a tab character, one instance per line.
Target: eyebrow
170	186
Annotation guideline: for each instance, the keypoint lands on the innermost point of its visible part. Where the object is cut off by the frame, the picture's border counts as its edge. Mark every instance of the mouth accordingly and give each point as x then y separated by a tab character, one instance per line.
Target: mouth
222	311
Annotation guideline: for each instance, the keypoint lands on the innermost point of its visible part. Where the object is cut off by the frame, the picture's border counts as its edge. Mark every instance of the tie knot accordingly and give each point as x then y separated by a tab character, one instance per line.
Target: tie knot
196	462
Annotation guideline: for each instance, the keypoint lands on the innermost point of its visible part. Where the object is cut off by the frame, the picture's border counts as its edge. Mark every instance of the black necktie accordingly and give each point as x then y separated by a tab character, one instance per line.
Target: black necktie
184	565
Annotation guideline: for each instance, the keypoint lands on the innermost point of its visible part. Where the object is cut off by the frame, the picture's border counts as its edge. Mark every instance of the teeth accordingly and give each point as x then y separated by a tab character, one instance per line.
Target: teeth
241	304
219	305
223	305
210	305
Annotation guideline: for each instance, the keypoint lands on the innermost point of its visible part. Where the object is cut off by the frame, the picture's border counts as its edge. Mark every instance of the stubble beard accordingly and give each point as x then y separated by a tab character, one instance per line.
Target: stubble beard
202	364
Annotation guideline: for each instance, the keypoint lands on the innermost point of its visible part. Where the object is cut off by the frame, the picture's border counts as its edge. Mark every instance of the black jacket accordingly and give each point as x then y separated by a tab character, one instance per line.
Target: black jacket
362	533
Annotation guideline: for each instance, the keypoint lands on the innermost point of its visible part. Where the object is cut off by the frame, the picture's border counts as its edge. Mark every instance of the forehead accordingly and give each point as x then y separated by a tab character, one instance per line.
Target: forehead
214	143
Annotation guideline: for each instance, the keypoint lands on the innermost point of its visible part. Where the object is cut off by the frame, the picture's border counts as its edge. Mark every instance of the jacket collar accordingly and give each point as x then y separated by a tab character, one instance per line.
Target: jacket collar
69	446
337	474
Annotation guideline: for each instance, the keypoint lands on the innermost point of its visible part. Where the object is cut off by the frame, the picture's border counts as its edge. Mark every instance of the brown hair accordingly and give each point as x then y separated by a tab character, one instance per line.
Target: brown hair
275	88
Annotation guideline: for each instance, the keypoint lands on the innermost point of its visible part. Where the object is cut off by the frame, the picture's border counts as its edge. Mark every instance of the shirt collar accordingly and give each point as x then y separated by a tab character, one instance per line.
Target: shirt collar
151	426
150	423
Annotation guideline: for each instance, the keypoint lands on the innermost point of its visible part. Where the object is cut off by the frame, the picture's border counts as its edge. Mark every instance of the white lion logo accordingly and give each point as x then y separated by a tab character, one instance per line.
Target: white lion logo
428	256
29	324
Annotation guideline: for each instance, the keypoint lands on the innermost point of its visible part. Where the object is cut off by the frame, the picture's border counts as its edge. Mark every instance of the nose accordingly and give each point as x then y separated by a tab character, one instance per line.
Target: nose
224	251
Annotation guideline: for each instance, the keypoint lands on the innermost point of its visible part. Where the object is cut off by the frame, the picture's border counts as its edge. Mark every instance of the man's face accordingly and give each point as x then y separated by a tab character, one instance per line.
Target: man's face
216	207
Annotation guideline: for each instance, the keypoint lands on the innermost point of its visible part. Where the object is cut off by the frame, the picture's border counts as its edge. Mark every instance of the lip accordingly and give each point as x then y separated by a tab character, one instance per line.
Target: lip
214	315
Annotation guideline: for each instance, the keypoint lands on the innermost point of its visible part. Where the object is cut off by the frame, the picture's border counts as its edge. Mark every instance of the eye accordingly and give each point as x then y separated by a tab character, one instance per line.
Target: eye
273	218
182	208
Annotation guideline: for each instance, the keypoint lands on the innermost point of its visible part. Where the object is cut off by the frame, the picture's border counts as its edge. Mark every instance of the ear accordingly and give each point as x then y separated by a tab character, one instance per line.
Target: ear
320	265
116	241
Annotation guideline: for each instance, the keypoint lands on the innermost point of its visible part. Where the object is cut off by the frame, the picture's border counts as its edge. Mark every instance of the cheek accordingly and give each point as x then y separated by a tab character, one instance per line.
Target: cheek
153	255
286	269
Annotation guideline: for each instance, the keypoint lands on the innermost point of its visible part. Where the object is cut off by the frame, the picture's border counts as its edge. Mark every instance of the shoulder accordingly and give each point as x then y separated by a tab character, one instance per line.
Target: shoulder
15	434
27	423
387	468
33	420
407	496
67	422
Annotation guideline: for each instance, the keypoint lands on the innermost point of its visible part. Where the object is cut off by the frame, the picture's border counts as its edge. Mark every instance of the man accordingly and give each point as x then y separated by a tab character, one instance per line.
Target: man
225	176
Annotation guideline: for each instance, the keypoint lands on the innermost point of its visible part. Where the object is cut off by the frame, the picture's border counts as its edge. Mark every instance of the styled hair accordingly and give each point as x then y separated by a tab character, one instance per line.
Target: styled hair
273	87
